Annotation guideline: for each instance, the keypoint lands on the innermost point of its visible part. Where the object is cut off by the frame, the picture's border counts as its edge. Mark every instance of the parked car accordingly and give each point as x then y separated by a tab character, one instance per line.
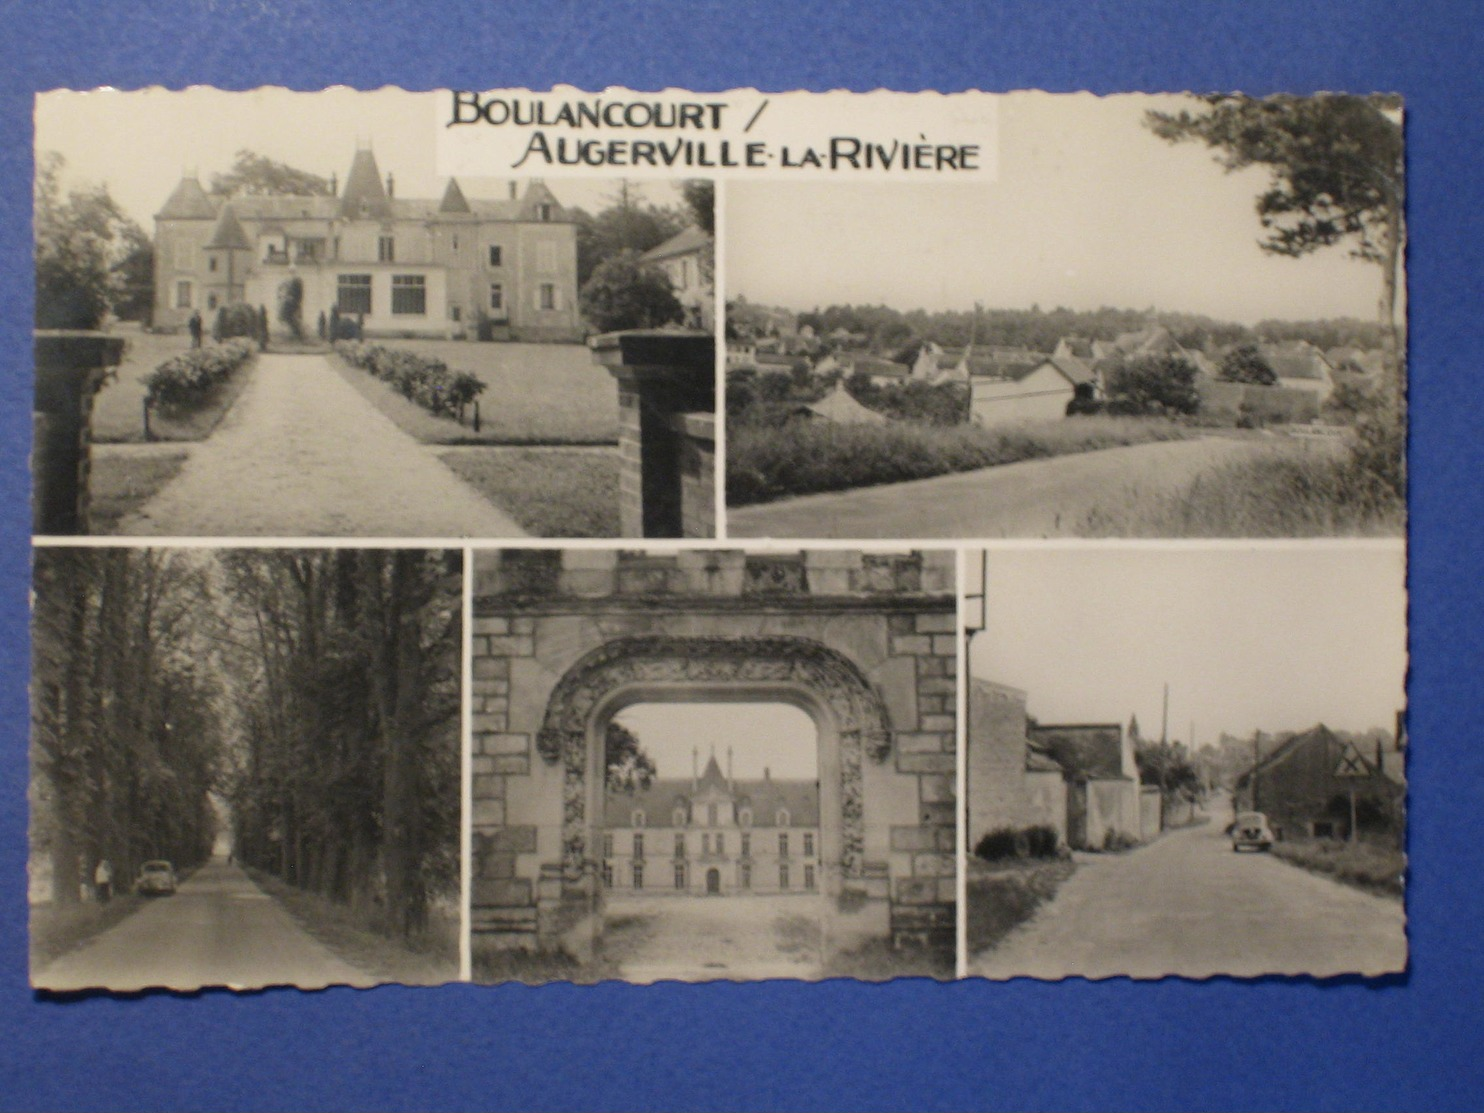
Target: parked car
156	878
1251	830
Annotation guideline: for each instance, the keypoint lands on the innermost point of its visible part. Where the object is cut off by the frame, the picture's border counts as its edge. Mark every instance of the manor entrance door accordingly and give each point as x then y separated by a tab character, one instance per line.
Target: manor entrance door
713	881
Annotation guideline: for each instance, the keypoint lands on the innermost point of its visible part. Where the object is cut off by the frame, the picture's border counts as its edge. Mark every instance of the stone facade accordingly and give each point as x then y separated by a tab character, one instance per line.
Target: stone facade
563	640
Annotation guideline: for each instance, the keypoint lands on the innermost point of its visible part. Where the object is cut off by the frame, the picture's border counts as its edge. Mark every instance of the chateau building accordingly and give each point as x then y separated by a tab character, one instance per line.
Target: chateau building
504	269
713	834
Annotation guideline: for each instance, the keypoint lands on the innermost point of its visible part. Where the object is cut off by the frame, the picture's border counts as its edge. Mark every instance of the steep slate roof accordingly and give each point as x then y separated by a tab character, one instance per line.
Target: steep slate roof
1320	735
453	199
228	231
840	407
188	202
765	797
1085	751
363	186
684	242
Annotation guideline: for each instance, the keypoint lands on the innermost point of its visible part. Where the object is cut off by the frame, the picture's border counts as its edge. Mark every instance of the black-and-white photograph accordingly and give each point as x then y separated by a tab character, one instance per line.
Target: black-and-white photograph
245	768
1161	320
265	314
1187	762
713	764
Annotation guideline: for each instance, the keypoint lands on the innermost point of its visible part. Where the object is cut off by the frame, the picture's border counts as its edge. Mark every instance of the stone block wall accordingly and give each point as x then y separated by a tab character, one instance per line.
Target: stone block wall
995	753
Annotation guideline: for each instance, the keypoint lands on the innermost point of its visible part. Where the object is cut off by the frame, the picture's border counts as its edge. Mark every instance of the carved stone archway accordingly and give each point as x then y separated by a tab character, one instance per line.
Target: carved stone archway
835	689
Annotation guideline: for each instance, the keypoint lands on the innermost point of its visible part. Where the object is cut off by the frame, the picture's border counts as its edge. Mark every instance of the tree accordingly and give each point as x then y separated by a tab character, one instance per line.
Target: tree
89	255
1156	384
624	293
1245	364
1337	174
132	275
627	224
254	175
627	768
291	306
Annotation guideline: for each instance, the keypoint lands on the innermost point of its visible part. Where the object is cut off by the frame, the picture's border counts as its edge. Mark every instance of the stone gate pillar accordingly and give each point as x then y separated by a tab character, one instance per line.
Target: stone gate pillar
666	429
70	367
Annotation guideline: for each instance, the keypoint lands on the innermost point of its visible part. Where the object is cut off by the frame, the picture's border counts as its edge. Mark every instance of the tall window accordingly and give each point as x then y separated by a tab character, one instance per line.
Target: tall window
746	845
679	876
454	241
409	295
809	877
680	846
211	263
353	293
710	815
546	295
638	846
607	875
721	844
386	249
783	846
494	255
808	845
744	876
497	297
543	212
783	875
638	875
210	301
608	846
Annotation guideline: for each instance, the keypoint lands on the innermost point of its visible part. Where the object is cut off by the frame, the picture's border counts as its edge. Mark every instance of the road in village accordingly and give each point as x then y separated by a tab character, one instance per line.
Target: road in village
1187	905
219	929
1034	498
697	939
303	454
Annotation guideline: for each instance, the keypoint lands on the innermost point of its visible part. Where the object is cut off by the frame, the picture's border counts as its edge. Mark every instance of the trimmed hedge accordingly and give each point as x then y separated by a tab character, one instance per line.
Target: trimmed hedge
428	382
1006	843
185	379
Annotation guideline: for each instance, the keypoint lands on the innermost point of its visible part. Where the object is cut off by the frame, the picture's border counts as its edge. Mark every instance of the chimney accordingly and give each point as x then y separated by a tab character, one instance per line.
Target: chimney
391	186
767	773
512	191
695	768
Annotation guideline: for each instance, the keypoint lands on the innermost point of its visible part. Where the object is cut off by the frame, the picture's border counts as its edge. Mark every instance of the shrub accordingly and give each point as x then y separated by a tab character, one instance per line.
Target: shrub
1005	843
184	379
427	382
239	319
1153	385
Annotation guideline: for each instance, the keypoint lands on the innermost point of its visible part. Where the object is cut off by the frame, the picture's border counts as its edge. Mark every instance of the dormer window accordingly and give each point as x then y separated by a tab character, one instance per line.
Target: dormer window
543	212
678	818
782	817
744	817
638	818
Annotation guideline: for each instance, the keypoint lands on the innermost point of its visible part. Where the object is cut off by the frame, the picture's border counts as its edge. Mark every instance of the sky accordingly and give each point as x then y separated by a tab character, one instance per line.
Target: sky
776	736
1090	210
1272	638
141	142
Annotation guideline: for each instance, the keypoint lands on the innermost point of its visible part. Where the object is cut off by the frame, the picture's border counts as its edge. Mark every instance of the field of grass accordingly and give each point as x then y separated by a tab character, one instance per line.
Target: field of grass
430	959
1374	867
1303	491
1006	894
550	492
122	482
59	928
771	462
118	409
535	394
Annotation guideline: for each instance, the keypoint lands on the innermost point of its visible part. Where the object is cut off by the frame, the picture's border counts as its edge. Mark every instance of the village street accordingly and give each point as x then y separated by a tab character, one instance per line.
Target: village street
1034	498
653	938
218	929
1187	905
303	454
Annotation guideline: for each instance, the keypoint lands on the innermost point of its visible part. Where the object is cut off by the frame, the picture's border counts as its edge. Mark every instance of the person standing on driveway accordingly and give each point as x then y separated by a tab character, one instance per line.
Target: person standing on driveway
103	881
195	326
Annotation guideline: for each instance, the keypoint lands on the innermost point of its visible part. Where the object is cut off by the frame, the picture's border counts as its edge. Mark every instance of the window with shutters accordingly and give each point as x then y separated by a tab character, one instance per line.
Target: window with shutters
546	296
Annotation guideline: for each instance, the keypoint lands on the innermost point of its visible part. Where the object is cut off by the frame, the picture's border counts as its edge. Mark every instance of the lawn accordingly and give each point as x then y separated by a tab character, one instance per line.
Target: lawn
769	462
550	492
118	409
124	480
1299	490
1003	895
535	394
1375	867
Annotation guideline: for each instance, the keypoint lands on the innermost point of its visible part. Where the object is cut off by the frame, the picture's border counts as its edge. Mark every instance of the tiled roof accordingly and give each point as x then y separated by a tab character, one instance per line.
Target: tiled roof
684	242
1295	361
228	231
765	797
840	407
187	202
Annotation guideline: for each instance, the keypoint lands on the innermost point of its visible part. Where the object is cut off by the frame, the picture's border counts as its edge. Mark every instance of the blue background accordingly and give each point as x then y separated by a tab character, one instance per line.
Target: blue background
1411	1042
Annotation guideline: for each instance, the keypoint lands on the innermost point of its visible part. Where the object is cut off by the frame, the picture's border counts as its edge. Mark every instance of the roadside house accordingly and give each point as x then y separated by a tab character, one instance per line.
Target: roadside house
1033	392
1304	786
1102	780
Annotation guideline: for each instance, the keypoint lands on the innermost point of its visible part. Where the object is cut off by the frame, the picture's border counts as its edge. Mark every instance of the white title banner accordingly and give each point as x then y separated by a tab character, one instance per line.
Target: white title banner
743	133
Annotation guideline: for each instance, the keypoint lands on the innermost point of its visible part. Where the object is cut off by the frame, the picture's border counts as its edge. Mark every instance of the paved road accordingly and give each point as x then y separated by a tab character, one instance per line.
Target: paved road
1187	905
302	454
219	929
697	939
1035	498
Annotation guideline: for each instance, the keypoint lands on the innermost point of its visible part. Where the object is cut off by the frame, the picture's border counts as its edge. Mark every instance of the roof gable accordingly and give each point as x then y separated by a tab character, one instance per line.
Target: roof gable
188	201
364	195
228	232
453	199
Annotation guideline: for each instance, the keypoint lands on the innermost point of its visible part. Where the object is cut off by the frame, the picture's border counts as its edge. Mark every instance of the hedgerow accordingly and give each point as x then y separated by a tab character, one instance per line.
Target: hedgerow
428	382
185	379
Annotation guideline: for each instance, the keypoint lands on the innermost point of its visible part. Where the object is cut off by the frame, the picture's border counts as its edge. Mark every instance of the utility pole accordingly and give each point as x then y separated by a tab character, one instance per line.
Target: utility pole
1164	725
1256	757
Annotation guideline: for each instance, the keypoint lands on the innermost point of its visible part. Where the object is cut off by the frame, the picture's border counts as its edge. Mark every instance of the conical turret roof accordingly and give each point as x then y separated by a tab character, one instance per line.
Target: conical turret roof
228	231
363	188
188	202
453	199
